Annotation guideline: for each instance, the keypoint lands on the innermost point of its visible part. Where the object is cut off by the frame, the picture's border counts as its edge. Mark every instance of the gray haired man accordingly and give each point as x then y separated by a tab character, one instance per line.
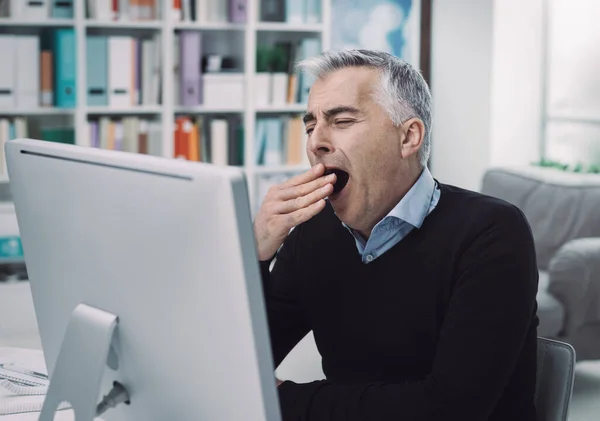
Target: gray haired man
420	295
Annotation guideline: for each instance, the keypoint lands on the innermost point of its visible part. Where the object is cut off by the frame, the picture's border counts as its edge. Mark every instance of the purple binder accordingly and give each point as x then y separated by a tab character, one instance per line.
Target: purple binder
237	11
190	68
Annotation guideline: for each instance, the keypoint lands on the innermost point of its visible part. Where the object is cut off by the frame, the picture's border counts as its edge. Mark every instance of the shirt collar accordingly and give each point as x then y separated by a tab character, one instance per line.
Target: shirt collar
414	206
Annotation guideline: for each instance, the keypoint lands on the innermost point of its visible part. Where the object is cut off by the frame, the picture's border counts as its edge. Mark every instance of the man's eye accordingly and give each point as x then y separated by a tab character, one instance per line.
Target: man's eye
344	123
309	130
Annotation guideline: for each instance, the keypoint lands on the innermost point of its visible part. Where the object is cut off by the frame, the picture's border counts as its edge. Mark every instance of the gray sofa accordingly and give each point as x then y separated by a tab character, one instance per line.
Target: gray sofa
563	210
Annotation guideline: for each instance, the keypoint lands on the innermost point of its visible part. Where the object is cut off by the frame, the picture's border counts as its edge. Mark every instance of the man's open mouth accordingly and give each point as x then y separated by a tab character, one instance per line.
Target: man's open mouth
342	179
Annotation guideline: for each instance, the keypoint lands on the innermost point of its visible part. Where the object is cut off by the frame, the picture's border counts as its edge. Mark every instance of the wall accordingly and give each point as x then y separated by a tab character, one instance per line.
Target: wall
516	108
486	86
461	46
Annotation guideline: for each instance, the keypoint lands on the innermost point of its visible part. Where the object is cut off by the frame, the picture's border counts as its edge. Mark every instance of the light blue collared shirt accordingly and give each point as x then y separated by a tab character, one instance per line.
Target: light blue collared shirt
408	214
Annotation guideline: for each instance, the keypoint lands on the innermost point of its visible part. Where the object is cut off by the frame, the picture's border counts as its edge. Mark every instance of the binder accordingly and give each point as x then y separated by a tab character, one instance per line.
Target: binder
272	10
46	79
65	68
260	141
310	47
7	71
146	69
62	9
28	67
313	11
96	70
33	9
176	69
219	142
217	11
102	9
119	71
273	153
5	8
295	11
190	68
238	12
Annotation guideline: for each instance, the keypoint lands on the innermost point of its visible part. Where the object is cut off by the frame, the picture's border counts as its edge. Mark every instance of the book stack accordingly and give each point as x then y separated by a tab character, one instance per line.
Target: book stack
18	127
290	11
129	134
36	10
213	140
123	10
276	82
233	11
38	71
280	141
123	71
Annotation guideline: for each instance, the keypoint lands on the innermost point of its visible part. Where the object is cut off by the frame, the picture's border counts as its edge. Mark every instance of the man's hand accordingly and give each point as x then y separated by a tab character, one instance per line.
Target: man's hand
289	204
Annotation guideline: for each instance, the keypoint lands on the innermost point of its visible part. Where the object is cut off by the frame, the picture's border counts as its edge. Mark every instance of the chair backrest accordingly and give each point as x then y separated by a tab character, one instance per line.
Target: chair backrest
559	205
554	384
555	376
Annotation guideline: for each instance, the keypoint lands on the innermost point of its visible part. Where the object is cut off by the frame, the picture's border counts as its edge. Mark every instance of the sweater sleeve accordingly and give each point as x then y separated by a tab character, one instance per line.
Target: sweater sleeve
287	320
490	313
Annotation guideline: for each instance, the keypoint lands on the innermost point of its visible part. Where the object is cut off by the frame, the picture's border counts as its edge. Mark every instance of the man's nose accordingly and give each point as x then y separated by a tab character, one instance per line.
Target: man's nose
319	142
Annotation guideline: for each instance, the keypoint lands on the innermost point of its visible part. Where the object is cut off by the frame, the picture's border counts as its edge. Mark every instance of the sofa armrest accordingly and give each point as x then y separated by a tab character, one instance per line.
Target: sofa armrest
574	279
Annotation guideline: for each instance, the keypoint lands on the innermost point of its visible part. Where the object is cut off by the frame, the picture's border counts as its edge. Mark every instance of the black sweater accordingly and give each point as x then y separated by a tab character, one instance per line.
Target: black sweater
442	326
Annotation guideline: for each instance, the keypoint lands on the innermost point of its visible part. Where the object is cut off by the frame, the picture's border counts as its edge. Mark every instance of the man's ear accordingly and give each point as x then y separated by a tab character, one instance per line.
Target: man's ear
414	133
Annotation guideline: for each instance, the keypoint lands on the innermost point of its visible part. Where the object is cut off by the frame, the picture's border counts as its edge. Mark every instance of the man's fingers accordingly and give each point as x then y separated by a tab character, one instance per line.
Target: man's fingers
300	202
306	188
302	215
315	172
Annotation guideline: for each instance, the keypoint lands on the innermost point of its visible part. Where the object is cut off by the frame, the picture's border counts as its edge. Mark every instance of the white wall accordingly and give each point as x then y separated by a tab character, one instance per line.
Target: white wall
461	66
486	86
516	108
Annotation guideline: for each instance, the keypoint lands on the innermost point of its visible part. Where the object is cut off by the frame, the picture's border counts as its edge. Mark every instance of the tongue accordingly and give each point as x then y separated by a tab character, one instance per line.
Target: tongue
342	179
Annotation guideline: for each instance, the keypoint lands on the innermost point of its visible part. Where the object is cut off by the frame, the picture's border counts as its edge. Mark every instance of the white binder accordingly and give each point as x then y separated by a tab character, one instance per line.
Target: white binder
28	71
148	52
7	71
34	9
119	71
100	9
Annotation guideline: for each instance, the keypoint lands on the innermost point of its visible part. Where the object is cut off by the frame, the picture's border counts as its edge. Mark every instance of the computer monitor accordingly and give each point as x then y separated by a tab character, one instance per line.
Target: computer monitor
167	247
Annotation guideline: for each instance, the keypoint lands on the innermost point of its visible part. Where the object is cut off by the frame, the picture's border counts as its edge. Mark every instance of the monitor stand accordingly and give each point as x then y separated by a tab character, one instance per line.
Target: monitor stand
81	362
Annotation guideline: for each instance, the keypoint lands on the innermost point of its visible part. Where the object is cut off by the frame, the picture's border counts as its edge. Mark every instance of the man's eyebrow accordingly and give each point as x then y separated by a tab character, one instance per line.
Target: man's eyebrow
308	117
332	112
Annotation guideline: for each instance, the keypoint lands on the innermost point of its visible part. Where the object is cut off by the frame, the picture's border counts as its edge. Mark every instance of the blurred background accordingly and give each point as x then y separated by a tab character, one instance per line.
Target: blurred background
516	112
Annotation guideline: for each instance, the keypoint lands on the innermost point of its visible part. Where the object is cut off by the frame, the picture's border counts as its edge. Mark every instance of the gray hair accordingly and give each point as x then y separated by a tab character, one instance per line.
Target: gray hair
402	93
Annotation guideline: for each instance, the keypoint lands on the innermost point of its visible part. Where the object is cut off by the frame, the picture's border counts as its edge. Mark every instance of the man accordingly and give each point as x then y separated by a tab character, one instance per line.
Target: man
421	295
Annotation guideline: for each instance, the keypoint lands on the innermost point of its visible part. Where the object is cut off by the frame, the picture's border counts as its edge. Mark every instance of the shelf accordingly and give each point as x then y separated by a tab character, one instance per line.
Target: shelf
210	26
592	119
289	27
151	109
285	108
4	22
207	110
36	111
107	24
280	169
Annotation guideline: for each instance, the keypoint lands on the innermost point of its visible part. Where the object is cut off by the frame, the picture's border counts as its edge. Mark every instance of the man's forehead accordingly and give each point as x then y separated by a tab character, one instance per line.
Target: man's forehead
350	86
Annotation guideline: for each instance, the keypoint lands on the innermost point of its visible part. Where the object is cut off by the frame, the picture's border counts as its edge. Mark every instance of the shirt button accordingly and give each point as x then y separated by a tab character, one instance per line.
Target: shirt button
369	258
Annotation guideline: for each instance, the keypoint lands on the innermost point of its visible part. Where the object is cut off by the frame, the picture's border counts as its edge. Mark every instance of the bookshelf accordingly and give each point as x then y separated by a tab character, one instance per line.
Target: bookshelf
240	40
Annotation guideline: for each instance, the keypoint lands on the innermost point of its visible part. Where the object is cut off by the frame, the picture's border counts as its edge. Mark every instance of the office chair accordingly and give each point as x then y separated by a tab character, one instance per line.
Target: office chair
554	384
555	376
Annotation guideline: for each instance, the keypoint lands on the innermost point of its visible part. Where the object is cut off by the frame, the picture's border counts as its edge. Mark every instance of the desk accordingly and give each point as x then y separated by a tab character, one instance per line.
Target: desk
33	359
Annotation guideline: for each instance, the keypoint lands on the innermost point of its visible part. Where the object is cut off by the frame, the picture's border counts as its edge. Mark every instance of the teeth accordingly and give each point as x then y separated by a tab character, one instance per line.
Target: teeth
342	179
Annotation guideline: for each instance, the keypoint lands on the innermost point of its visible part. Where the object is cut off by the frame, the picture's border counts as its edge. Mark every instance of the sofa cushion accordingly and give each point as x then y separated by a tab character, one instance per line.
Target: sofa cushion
559	205
550	311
